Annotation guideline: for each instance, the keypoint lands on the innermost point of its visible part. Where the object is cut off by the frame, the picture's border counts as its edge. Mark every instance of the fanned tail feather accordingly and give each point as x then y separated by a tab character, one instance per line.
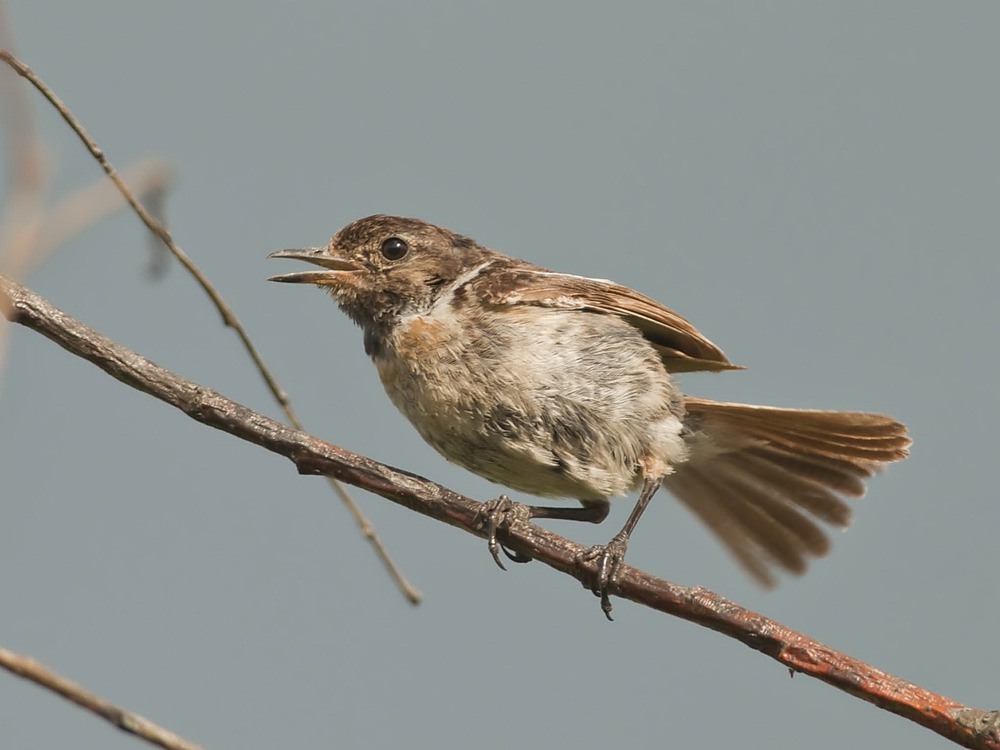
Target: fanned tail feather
764	479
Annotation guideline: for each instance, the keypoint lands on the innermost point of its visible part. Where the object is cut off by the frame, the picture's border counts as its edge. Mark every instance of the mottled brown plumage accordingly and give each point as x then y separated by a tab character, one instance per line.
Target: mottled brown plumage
561	386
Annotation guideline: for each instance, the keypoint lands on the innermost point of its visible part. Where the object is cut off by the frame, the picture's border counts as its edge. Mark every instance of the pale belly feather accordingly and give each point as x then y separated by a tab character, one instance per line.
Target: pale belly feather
549	402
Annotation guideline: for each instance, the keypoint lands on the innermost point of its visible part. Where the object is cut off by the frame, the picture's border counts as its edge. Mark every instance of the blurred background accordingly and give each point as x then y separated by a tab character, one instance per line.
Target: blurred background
814	185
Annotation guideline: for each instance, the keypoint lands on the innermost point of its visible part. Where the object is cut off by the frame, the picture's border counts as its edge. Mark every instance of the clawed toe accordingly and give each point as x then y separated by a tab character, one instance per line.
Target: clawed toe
610	559
497	514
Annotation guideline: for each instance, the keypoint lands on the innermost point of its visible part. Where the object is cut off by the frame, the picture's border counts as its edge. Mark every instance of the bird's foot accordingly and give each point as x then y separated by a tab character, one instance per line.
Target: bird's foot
610	559
501	514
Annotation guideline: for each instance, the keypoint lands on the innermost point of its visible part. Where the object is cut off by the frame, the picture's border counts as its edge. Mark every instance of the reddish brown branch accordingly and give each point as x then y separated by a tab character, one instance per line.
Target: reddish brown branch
964	725
127	721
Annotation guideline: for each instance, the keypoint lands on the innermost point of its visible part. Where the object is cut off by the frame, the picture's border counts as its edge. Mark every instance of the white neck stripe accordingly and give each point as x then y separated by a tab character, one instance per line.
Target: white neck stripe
448	295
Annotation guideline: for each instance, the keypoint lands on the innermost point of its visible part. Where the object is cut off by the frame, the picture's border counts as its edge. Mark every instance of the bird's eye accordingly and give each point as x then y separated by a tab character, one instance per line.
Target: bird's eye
394	248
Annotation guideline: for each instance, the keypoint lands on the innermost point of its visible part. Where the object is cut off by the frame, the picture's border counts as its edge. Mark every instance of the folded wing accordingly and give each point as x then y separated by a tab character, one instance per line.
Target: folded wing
681	345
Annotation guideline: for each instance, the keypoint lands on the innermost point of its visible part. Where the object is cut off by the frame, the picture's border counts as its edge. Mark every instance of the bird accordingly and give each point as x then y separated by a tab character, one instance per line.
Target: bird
562	386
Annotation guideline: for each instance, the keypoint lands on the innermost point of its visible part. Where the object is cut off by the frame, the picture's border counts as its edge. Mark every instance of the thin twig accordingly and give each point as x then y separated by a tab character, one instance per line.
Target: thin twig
29	231
94	202
21	218
228	315
964	725
131	723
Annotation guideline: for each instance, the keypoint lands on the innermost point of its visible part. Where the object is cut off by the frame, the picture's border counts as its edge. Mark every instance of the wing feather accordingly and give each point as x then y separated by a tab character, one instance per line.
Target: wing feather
682	347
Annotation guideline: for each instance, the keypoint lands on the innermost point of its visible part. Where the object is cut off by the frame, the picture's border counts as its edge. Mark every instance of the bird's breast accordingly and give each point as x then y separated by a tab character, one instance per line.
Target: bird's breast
423	364
550	402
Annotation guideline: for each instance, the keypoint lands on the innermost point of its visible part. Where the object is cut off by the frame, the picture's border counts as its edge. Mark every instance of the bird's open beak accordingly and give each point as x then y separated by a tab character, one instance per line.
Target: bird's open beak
317	256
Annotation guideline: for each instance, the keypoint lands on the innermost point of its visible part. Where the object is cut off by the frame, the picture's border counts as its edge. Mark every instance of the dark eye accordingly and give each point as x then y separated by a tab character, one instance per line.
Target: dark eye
394	248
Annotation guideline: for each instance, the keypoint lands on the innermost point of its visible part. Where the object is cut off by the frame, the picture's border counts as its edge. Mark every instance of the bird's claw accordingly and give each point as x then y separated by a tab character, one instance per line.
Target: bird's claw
497	514
610	559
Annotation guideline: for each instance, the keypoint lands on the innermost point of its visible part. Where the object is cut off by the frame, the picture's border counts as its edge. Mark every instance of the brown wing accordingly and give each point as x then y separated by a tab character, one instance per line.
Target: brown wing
680	344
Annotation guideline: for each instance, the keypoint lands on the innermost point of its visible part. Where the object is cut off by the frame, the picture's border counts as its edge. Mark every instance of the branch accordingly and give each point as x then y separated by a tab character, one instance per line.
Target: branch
21	215
91	204
966	726
127	721
226	312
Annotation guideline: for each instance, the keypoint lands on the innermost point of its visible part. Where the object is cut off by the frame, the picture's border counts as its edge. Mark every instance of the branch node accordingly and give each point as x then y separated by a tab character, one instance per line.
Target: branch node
984	724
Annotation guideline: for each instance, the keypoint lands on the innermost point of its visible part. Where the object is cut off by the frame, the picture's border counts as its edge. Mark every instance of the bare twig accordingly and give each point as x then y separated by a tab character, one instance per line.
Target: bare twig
21	218
228	315
92	203
30	231
964	725
128	722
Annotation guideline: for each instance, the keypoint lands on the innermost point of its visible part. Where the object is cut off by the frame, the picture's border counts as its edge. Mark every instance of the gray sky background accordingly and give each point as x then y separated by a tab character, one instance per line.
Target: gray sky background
815	185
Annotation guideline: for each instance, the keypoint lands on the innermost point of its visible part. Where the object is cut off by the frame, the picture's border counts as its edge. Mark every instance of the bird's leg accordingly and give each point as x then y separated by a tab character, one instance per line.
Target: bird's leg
502	512
610	557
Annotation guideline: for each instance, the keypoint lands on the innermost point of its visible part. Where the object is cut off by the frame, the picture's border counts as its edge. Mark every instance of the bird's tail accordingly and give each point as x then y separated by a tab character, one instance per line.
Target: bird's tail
764	479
